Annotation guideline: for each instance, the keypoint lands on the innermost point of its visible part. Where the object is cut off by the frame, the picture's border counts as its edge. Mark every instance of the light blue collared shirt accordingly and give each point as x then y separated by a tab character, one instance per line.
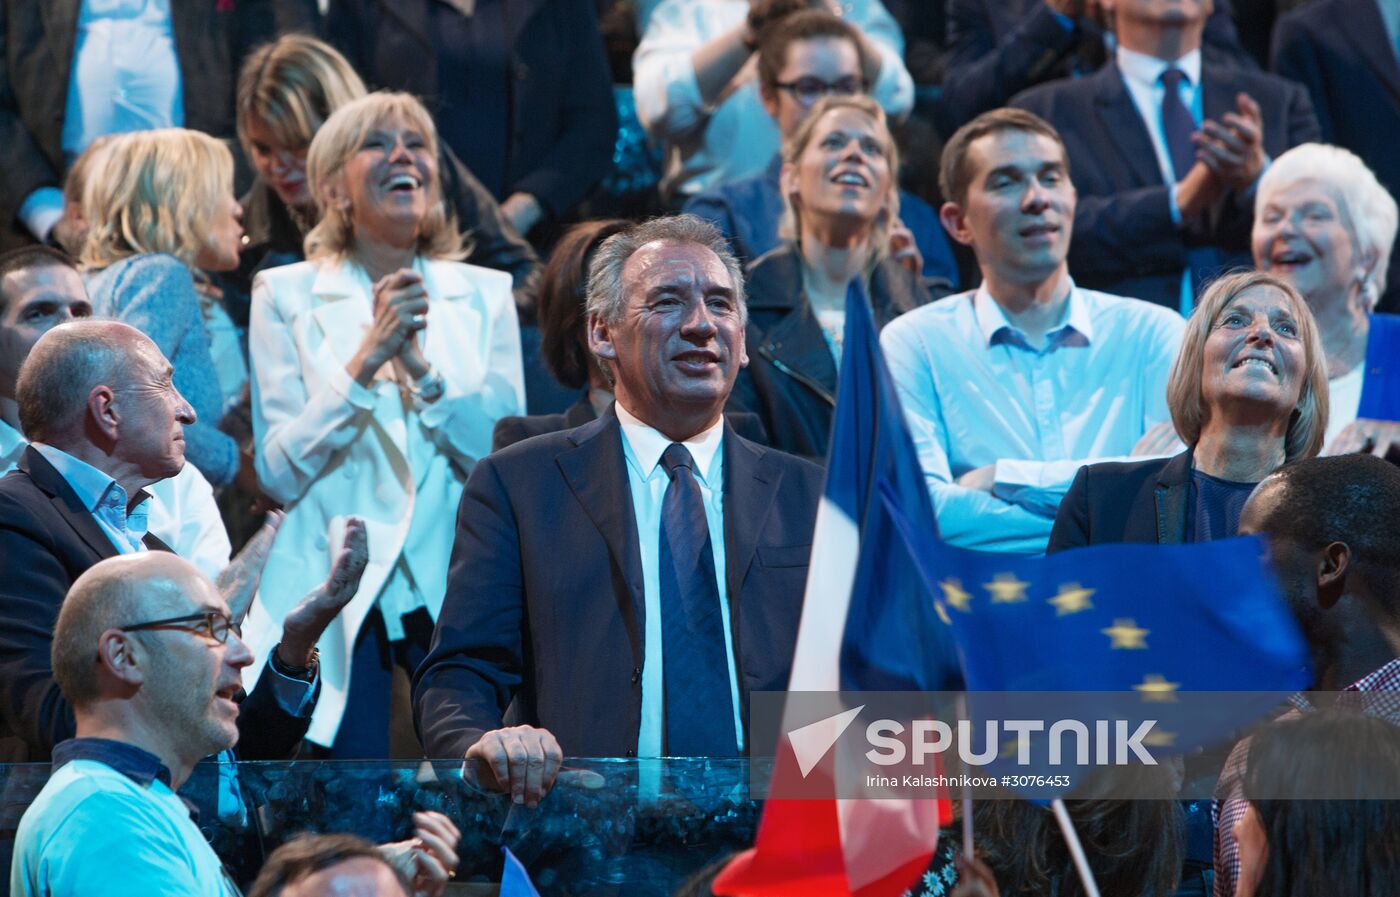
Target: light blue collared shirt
642	447
125	77
975	392
104	498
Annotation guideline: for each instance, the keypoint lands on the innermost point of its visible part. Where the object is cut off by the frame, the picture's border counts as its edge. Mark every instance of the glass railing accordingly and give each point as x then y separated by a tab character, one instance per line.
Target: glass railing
626	827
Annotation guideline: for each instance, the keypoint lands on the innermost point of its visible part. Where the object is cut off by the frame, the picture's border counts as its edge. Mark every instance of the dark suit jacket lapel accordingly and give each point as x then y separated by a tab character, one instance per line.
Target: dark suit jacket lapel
61	32
1124	127
66	502
596	472
414	15
750	486
1363	26
1172	496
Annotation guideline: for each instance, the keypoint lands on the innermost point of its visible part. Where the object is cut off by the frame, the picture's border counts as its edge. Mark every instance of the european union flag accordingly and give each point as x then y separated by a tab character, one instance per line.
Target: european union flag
1380	384
1158	624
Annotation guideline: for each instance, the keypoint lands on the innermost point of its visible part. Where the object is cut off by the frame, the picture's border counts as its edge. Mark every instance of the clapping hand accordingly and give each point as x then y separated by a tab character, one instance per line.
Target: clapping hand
1234	146
304	623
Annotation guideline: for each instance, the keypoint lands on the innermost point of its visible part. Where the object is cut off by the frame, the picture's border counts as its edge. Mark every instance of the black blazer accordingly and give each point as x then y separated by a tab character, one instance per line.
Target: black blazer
37	39
561	117
510	430
790	382
1125	241
1340	51
998	48
1134	501
544	598
47	540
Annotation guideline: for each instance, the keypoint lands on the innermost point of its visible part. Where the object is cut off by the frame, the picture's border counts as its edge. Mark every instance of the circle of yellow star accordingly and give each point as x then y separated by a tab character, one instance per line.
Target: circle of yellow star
1006	588
1071	599
1125	634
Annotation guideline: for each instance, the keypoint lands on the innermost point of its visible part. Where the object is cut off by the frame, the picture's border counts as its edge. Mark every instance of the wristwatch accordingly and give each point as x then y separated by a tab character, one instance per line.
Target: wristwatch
429	387
306	673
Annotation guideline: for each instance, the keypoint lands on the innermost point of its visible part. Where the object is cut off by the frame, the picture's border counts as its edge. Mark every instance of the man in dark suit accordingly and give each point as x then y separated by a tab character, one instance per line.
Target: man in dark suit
96	400
998	48
1166	176
1344	53
44	77
581	555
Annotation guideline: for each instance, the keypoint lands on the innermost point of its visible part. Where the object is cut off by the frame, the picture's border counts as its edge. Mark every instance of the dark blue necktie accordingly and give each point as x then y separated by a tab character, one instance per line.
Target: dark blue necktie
698	707
1177	124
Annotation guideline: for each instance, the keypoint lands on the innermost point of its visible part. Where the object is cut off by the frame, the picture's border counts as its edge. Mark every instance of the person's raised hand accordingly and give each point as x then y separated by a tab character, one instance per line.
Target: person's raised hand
1234	146
521	760
304	623
403	296
1365	436
429	859
238	582
400	311
904	250
765	12
1160	439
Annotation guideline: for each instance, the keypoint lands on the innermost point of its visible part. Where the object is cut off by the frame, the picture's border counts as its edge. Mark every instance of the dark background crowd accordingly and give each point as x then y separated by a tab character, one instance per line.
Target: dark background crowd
288	287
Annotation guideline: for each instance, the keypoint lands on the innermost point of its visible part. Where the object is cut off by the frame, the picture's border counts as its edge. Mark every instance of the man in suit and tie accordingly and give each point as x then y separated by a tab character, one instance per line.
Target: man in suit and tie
104	422
1166	148
627	583
1344	53
998	48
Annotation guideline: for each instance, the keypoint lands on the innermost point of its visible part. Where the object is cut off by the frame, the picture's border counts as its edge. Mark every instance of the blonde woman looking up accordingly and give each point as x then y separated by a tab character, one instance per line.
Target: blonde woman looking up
839	187
380	367
160	211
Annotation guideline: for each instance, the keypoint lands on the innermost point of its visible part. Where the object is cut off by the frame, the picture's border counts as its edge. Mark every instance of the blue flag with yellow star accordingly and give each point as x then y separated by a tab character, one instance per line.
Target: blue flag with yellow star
1150	622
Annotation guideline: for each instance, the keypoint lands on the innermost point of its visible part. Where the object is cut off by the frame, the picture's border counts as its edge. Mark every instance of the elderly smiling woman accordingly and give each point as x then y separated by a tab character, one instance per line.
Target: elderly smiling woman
380	367
1248	392
1324	224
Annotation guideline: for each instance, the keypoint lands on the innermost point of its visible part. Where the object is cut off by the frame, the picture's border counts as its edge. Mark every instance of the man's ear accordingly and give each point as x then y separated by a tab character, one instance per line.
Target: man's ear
600	339
955	223
102	411
119	658
1332	570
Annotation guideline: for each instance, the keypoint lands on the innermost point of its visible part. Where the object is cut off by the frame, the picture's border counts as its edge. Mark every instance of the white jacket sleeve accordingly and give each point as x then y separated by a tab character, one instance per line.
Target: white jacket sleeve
296	433
461	422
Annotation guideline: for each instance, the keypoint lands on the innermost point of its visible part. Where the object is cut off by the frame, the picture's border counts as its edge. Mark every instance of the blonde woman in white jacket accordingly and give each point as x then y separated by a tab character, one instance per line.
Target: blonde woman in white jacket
380	367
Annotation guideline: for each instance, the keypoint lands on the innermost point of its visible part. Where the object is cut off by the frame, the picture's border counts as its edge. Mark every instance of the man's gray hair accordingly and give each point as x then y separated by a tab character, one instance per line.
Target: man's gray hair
605	296
62	370
1369	209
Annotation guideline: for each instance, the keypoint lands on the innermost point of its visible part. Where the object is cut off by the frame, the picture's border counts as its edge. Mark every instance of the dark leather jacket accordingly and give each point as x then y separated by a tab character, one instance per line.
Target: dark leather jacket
790	382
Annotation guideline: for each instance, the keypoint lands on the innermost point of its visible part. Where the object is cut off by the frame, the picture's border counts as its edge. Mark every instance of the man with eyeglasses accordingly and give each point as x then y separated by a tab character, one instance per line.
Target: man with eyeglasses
105	421
146	656
810	55
697	96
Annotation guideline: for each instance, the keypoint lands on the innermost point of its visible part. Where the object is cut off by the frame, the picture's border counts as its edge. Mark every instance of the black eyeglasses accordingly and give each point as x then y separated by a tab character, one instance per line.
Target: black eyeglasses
808	90
212	624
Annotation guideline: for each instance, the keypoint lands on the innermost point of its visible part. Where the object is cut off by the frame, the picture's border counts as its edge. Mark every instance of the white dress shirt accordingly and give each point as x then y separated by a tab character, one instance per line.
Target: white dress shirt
1343	400
125	77
735	137
975	393
642	447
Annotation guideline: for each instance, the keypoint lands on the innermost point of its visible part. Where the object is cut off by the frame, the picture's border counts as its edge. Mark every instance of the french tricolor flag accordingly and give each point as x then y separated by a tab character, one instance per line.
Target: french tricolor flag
868	624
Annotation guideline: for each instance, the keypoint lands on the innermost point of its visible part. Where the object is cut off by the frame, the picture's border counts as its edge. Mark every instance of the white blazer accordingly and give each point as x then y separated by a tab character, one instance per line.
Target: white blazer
328	448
